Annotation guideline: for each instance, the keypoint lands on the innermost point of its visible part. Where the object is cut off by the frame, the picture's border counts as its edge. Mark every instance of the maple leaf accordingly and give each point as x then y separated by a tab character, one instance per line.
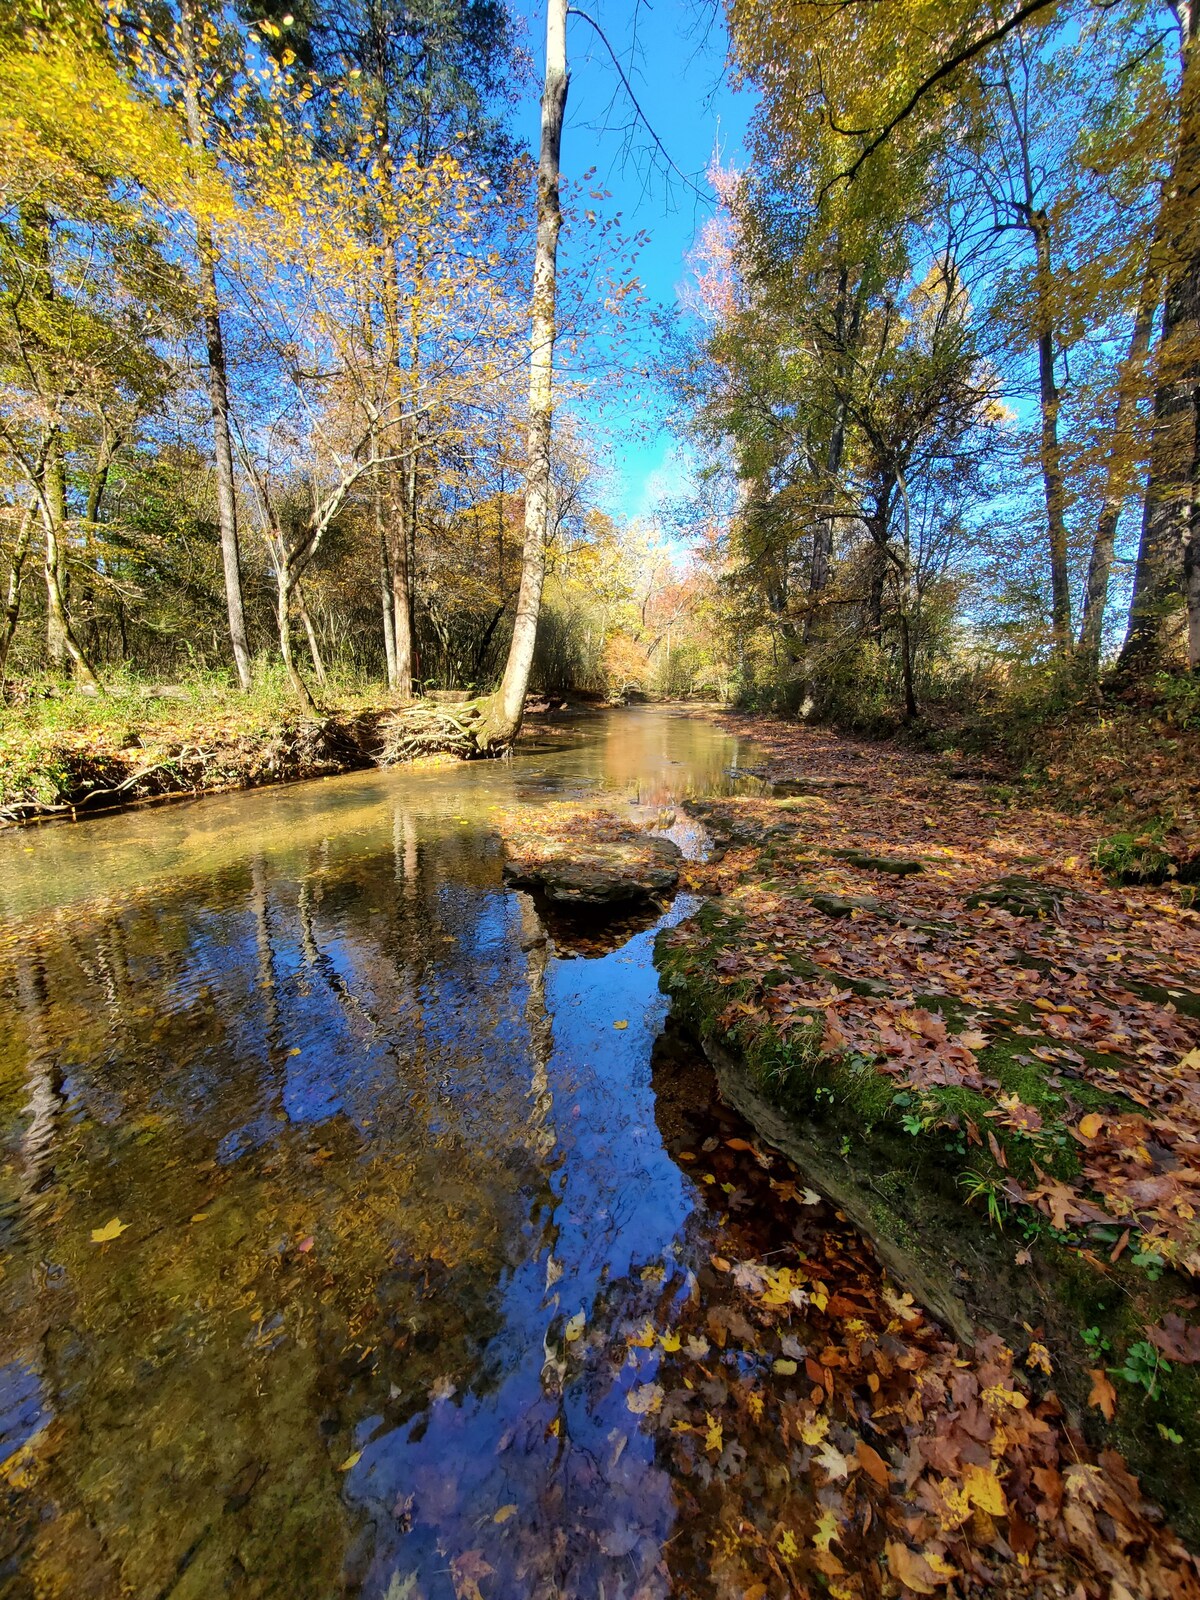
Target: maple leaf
111	1230
826	1530
644	1399
713	1435
1103	1396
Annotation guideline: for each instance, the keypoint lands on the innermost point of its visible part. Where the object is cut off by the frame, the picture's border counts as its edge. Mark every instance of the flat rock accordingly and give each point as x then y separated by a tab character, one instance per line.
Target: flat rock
901	866
601	874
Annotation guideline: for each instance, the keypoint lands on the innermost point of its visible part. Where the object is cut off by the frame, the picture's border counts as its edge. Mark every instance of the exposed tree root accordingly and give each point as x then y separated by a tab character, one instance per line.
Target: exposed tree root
427	727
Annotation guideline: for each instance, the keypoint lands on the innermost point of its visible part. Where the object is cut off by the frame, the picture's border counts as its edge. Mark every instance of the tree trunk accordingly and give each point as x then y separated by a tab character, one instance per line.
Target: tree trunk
1168	553
1119	473
58	622
385	578
1051	452
12	601
284	586
218	381
508	703
401	599
311	634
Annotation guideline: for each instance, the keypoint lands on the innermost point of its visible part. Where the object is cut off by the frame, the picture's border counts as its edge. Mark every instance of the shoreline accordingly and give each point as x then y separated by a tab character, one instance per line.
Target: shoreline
930	999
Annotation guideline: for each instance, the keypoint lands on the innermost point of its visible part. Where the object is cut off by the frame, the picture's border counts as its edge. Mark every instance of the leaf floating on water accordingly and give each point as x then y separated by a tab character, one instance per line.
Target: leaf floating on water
574	1328
350	1461
110	1230
295	1050
645	1399
622	1024
504	1513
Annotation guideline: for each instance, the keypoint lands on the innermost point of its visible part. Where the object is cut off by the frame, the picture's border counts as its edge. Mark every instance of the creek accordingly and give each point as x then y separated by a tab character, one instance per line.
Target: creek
333	1195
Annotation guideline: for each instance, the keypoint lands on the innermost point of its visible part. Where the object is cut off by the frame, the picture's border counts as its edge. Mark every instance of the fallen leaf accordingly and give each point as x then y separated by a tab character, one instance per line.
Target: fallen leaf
910	1569
872	1463
110	1230
1090	1125
504	1513
350	1461
622	1024
1103	1395
645	1399
574	1328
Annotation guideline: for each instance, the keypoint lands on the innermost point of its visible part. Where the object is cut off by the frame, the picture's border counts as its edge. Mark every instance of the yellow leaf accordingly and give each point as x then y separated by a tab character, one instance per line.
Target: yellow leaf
826	1532
787	1546
1090	1125
909	1568
621	1024
350	1461
504	1513
985	1491
783	1367
110	1230
645	1338
670	1342
815	1428
575	1327
713	1437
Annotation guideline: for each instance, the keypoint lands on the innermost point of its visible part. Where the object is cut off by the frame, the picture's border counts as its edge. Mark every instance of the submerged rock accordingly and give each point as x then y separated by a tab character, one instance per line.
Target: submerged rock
600	873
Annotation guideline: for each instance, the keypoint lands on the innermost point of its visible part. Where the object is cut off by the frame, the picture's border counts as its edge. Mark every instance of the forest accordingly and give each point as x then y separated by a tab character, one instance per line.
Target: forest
741	1139
265	363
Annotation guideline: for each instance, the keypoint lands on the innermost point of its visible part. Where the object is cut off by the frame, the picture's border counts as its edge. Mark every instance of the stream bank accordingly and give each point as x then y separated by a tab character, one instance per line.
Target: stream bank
983	1052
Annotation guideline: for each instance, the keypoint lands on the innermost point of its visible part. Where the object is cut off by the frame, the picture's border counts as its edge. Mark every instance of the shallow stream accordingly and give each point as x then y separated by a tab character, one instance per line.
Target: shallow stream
330	1193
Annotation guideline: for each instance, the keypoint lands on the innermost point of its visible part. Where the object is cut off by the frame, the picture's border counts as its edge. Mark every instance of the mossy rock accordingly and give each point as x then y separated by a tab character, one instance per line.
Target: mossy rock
1023	897
901	866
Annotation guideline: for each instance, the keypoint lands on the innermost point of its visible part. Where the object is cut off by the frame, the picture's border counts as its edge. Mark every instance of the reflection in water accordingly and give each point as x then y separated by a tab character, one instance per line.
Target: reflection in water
386	1176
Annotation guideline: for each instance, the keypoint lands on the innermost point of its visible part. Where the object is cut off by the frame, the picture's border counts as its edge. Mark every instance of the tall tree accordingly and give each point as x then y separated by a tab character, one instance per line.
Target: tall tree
507	705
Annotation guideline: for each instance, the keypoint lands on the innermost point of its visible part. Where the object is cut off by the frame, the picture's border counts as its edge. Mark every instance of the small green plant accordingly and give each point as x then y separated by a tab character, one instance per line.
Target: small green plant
978	1186
844	1147
1095	1341
1151	1263
912	1120
1141	1367
1179	698
1169	1434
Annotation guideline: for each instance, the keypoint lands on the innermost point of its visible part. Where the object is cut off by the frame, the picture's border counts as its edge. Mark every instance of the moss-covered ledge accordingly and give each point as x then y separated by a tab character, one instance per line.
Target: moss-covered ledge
941	1188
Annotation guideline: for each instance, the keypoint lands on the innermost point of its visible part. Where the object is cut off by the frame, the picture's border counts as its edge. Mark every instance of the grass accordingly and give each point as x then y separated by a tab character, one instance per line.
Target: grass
50	733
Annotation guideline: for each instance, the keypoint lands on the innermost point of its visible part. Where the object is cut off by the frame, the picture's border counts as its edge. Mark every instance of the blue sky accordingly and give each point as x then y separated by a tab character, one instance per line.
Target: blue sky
673	53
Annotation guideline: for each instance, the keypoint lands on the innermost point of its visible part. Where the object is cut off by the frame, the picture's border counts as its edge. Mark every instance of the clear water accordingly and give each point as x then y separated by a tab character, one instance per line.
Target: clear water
372	1144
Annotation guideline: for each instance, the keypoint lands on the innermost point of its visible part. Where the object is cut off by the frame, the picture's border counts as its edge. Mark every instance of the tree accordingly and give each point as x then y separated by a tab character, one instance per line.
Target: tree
504	712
